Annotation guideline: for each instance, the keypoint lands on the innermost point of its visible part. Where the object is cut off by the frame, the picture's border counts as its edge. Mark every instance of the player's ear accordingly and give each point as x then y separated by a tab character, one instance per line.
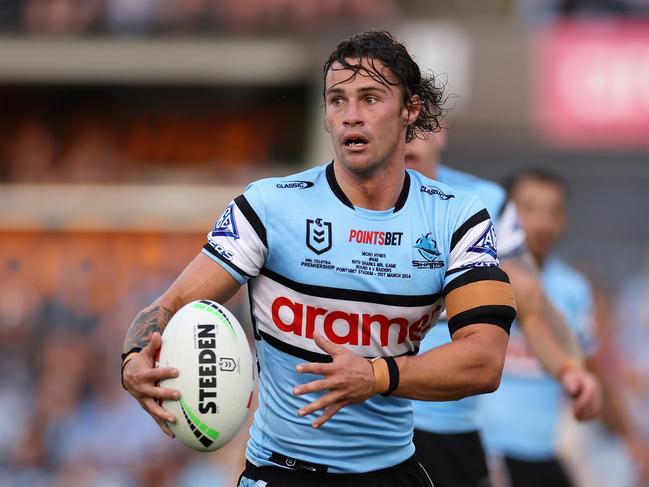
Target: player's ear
412	110
326	125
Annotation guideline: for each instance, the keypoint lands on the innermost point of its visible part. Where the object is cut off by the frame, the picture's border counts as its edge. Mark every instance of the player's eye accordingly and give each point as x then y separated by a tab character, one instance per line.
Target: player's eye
371	100
336	101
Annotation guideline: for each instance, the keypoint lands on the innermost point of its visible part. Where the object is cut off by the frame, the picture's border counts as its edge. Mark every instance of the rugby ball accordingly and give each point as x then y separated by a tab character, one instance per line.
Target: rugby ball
207	345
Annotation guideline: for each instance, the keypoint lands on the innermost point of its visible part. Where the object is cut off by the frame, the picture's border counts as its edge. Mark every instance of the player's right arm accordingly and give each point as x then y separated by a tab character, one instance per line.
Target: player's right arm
203	278
235	251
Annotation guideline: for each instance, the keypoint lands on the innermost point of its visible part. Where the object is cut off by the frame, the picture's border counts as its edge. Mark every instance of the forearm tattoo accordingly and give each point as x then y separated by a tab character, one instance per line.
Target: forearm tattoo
144	325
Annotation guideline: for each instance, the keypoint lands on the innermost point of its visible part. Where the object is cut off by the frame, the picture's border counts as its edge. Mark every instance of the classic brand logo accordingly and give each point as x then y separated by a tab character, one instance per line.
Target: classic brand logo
294	185
433	190
318	235
300	319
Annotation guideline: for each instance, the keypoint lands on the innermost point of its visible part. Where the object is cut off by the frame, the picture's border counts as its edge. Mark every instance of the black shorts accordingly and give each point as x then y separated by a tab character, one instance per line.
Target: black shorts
407	474
548	473
454	459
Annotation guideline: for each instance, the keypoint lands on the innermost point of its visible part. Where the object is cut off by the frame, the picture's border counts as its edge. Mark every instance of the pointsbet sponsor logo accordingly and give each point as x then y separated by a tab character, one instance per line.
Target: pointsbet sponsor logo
301	320
375	237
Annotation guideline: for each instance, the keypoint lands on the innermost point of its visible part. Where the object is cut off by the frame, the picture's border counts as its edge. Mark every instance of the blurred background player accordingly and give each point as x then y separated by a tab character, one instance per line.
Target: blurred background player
446	433
520	421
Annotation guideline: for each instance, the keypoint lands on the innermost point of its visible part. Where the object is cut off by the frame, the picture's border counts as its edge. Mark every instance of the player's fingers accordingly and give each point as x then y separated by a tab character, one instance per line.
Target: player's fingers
165	428
328	414
320	403
158	373
160	393
157	411
328	346
315	368
151	348
571	384
315	386
586	405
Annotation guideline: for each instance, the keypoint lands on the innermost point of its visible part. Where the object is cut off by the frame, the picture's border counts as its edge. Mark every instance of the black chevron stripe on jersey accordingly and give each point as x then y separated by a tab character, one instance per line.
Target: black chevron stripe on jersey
475	275
253	219
479	217
403	300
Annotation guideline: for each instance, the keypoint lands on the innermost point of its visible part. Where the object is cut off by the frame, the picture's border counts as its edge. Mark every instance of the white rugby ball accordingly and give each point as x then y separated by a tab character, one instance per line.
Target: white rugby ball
207	345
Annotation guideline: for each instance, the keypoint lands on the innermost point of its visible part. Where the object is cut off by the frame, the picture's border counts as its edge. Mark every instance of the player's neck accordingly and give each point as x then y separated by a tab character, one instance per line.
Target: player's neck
377	191
433	168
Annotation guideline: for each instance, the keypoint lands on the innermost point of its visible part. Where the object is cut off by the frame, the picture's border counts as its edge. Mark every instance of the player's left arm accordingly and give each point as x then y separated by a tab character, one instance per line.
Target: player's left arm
480	307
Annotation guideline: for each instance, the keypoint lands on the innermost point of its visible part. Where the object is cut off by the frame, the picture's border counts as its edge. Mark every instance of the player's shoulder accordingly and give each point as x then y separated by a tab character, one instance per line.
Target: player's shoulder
438	191
278	192
486	190
296	181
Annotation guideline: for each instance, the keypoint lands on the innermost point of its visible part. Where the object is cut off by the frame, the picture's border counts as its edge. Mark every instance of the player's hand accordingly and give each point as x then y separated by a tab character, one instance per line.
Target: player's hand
349	380
585	391
141	377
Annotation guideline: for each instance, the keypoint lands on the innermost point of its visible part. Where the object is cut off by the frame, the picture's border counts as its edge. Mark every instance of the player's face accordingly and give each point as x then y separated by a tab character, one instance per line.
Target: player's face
541	208
366	120
422	154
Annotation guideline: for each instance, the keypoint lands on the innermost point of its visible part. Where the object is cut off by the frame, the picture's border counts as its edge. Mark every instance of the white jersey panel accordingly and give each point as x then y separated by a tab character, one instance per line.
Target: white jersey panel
235	243
511	237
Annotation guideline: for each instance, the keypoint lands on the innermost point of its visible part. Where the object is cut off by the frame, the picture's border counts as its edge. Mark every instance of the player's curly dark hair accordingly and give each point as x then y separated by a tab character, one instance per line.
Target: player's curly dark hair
382	46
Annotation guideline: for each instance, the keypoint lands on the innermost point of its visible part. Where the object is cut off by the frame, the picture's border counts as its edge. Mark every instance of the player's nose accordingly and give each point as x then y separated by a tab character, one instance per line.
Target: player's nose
352	116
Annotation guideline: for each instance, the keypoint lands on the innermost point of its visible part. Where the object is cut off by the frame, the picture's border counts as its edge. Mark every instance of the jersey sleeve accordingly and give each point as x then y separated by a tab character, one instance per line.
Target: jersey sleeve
238	240
476	290
511	236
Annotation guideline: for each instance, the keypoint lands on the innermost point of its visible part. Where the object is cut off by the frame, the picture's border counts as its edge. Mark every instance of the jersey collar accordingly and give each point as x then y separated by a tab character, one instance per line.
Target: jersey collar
337	190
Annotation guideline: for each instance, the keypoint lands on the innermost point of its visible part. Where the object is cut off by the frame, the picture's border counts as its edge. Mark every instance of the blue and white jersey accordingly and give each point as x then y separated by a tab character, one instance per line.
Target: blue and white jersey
460	416
520	419
372	281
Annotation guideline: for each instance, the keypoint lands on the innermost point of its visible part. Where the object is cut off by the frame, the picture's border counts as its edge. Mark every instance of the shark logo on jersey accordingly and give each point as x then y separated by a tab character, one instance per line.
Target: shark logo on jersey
427	248
318	235
432	190
226	226
485	243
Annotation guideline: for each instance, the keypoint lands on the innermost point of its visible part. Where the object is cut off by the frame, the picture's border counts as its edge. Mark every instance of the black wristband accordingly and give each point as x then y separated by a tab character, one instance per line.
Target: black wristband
124	355
393	371
132	350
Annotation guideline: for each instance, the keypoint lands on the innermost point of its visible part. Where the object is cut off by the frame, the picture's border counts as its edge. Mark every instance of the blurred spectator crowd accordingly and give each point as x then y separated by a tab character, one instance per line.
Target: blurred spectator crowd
178	17
137	17
65	303
118	134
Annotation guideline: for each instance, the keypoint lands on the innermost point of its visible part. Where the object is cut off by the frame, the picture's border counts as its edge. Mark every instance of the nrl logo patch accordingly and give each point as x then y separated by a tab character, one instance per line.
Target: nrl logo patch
318	236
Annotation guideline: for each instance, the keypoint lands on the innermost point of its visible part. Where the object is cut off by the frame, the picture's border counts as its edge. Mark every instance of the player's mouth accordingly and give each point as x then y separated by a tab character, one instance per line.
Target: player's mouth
355	142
